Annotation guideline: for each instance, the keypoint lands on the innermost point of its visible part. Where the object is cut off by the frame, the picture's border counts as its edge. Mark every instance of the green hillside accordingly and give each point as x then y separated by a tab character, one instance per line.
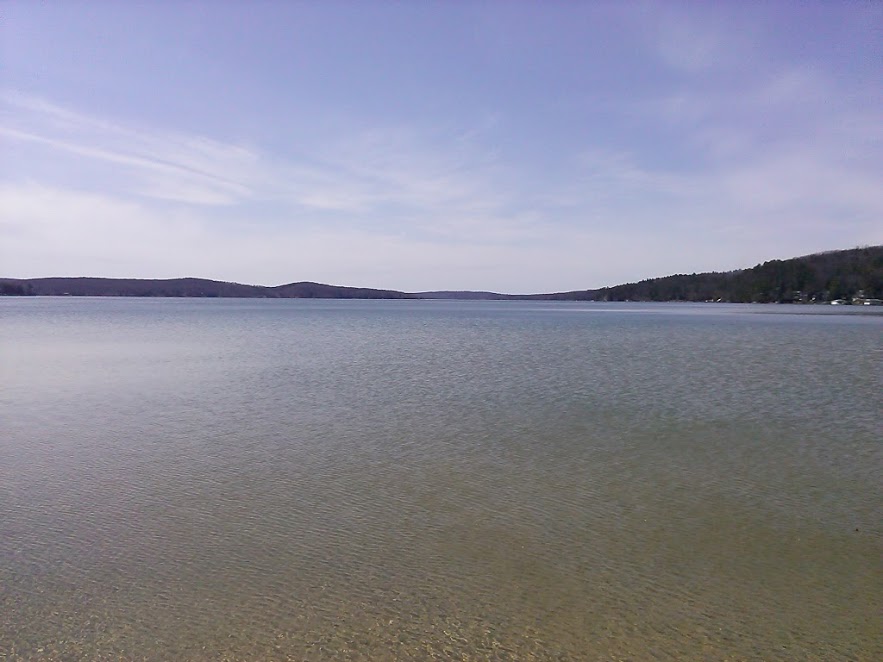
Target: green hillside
823	277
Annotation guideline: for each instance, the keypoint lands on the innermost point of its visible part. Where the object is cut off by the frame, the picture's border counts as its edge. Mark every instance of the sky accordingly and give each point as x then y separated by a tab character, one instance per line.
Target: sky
518	147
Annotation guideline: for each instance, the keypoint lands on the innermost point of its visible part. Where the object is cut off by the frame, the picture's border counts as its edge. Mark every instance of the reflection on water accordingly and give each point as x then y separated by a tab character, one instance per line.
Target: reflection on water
434	480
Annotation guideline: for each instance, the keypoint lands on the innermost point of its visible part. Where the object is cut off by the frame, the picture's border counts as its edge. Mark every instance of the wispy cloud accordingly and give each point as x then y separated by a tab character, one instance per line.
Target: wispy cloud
357	173
693	40
169	165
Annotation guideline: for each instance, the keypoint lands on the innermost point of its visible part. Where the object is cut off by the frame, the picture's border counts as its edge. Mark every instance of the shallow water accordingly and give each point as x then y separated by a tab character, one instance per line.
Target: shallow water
310	480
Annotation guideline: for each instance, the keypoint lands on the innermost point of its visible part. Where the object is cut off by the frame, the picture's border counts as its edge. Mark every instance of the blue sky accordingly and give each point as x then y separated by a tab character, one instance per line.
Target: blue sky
508	146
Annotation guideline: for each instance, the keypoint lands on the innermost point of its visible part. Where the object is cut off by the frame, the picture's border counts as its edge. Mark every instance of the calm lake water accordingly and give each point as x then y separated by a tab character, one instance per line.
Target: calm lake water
366	480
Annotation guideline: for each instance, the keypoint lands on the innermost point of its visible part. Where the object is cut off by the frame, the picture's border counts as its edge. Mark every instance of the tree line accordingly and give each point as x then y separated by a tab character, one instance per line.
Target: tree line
822	277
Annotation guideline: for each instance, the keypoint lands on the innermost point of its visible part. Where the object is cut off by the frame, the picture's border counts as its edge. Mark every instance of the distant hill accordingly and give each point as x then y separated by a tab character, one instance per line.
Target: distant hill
185	287
307	290
822	277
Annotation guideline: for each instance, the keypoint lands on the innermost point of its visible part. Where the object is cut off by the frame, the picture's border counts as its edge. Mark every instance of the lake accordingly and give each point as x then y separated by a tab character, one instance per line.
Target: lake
209	479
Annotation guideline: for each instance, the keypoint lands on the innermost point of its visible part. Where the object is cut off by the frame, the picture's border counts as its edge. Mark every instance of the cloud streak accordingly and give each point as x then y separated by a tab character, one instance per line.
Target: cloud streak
356	173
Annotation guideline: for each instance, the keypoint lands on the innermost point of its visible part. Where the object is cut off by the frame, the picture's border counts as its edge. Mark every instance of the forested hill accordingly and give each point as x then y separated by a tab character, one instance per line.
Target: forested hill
855	274
186	287
835	275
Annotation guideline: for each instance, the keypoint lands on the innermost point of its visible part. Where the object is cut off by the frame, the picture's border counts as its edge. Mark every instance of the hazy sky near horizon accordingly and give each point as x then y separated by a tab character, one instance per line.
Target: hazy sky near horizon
507	146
